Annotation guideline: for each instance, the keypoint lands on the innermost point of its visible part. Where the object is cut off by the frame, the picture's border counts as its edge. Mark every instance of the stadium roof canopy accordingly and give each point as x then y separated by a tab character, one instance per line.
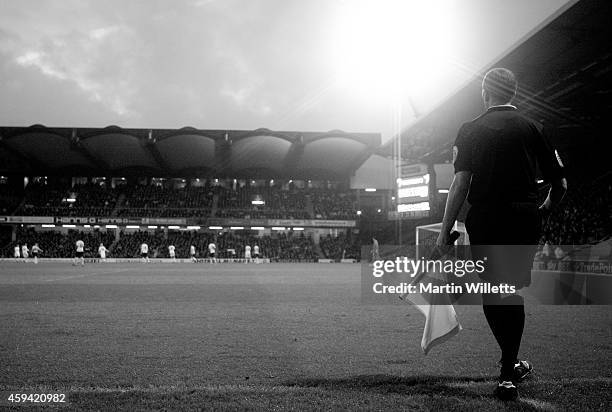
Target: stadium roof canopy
564	68
114	151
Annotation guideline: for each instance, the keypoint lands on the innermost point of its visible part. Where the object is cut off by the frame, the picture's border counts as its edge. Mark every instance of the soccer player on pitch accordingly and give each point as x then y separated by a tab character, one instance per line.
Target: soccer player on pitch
247	254
80	251
172	252
192	253
144	253
375	251
496	157
24	252
102	251
212	248
35	251
17	254
256	253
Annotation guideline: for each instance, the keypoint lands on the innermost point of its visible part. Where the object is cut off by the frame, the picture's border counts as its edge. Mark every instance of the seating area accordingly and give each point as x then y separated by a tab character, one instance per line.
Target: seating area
277	247
279	203
79	200
329	204
167	199
340	247
58	245
585	216
157	201
9	201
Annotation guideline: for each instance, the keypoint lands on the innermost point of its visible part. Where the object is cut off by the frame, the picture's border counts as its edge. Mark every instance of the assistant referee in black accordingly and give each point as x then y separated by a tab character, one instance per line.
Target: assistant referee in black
496	158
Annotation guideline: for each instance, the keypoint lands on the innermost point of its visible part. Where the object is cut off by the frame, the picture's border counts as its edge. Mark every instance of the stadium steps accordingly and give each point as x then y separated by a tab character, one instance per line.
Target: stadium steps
112	246
118	205
19	207
215	205
318	250
309	207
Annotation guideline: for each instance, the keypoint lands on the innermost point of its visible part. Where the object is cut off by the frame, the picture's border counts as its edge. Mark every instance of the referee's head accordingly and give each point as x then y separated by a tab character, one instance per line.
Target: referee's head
498	87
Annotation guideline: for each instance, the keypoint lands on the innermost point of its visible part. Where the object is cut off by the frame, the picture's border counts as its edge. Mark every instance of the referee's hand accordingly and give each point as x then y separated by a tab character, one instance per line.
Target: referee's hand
443	240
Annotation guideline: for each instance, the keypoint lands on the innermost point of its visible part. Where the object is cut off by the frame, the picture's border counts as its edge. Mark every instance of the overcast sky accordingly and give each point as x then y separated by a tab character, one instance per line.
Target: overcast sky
227	64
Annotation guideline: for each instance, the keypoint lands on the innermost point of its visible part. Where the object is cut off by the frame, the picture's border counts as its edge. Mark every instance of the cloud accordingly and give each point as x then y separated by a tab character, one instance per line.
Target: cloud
230	64
78	58
102	32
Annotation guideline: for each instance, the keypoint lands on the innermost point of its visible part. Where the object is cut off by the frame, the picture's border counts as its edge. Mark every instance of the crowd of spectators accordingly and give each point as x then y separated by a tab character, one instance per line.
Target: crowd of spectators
285	247
340	247
157	200
330	204
278	203
59	245
584	216
78	200
9	200
281	247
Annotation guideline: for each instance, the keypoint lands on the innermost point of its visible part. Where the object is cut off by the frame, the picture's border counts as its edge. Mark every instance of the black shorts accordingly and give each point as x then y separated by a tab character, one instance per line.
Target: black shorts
255	255
212	255
144	255
79	254
34	254
507	237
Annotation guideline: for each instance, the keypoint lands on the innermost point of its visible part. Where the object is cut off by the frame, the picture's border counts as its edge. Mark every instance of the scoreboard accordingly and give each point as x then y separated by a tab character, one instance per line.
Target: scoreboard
412	193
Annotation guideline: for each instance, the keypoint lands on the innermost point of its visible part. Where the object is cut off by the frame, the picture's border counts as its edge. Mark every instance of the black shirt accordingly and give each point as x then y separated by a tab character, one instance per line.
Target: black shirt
502	148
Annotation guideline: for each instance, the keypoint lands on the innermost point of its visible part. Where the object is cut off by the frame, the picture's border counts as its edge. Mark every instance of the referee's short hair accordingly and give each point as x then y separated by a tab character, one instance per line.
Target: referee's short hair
500	83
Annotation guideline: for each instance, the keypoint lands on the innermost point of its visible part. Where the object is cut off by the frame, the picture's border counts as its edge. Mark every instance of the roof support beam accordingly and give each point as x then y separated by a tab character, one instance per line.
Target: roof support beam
223	155
362	157
294	155
150	145
77	146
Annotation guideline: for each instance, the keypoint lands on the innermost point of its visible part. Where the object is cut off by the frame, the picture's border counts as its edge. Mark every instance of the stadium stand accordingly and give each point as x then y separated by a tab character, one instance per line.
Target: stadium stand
9	201
585	217
59	245
157	201
330	204
88	200
282	247
340	247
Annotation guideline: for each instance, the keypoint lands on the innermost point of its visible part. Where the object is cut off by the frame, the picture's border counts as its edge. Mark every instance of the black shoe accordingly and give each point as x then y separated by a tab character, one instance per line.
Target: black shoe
521	370
506	391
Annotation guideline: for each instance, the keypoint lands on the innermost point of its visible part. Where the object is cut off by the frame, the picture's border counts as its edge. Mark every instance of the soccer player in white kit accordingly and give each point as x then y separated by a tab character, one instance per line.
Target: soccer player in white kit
247	254
17	254
375	251
144	253
102	250
192	253
172	252
212	249
256	253
24	252
80	251
35	251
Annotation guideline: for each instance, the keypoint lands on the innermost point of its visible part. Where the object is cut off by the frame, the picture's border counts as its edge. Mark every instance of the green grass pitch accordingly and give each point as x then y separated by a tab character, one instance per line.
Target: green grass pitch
272	336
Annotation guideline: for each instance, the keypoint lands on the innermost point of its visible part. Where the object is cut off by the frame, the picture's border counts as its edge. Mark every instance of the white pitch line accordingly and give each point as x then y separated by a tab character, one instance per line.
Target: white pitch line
84	275
539	405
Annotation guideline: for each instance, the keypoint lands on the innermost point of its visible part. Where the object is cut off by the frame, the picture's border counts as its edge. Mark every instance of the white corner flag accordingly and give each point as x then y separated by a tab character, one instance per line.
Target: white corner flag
441	321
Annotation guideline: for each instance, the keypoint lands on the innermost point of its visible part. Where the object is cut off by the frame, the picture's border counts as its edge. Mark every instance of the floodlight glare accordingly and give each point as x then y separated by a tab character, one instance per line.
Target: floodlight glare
384	49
